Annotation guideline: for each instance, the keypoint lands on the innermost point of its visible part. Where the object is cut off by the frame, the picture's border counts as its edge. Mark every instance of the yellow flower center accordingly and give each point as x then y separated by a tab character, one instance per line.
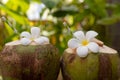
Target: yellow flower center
32	39
85	42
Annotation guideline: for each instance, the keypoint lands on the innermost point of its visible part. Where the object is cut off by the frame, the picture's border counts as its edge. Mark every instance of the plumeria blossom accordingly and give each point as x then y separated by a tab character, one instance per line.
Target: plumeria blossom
4	1
33	13
83	43
27	38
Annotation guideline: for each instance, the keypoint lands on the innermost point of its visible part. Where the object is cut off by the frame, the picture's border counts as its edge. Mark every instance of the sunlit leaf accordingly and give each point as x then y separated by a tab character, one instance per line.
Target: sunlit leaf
18	18
9	29
16	5
3	34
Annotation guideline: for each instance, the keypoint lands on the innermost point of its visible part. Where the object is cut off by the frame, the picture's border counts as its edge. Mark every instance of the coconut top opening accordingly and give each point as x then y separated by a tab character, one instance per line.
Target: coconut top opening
18	43
103	49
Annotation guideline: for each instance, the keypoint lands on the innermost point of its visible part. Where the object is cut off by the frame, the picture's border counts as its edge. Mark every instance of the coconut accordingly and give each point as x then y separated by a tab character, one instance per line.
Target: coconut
104	65
30	62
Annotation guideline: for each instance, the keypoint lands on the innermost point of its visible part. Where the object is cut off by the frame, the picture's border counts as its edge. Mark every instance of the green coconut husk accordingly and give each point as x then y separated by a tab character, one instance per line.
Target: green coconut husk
104	65
31	62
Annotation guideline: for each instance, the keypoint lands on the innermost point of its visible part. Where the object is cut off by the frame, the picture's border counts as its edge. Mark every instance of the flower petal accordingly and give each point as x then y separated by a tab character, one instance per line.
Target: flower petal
93	47
91	34
35	32
82	51
46	40
42	40
34	7
25	35
41	6
79	35
33	15
73	43
25	41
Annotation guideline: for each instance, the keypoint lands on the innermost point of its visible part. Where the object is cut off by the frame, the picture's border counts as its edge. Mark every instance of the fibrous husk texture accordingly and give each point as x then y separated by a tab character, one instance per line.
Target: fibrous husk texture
32	62
96	66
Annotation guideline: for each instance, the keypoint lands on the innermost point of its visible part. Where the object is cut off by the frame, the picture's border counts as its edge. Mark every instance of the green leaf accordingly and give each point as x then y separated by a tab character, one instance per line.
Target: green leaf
116	10
20	19
9	29
66	10
80	16
97	7
109	20
50	3
20	5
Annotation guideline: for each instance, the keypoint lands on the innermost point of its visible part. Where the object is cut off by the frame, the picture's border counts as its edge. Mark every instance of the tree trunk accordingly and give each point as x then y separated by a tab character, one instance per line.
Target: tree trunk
104	65
32	62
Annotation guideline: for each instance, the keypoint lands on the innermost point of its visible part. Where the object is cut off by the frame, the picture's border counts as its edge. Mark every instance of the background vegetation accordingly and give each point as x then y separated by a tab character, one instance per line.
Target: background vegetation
62	18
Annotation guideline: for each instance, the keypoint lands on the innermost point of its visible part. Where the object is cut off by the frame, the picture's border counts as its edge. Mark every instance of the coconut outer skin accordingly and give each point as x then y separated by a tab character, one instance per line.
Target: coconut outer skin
96	66
32	62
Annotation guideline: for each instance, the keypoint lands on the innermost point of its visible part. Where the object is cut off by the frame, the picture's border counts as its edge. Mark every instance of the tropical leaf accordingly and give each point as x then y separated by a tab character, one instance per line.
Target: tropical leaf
20	5
97	7
80	16
20	19
109	20
66	10
50	3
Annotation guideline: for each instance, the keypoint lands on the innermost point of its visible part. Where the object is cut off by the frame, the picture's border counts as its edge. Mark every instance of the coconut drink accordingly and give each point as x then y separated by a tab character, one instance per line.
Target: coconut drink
87	58
30	58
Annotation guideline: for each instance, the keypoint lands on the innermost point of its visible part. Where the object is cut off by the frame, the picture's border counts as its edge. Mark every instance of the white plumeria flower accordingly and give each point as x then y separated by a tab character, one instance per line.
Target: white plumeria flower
27	38
4	1
83	43
33	13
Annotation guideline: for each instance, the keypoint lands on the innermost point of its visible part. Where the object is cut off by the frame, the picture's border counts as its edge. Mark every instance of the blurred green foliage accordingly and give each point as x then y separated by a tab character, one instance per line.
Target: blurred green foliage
75	14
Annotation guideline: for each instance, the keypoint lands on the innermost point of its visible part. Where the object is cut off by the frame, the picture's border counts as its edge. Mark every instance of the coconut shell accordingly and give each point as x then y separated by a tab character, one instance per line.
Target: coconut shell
104	65
31	62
